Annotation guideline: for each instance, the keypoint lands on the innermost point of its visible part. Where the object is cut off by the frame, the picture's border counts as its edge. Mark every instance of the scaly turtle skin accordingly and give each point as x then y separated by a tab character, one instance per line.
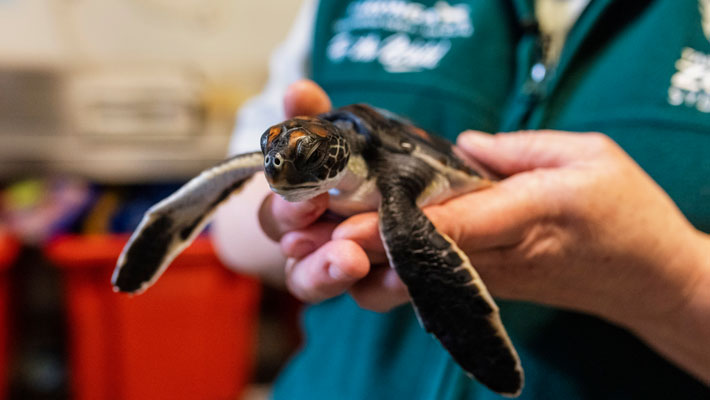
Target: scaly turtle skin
366	159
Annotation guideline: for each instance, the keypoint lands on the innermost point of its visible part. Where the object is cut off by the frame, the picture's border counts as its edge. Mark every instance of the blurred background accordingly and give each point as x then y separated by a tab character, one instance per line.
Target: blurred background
106	106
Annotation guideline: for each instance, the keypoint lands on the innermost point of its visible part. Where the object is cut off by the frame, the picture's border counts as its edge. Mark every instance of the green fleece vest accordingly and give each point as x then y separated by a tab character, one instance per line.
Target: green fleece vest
638	71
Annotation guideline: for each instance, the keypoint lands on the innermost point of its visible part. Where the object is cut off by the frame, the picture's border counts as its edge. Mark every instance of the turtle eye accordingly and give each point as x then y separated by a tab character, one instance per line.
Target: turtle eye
306	148
302	148
407	146
311	153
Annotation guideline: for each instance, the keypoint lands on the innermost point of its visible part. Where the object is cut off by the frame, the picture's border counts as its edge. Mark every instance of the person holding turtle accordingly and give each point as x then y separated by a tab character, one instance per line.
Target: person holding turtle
598	241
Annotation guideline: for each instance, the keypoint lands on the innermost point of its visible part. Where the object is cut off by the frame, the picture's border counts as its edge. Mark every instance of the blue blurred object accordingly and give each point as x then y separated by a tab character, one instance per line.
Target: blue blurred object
137	200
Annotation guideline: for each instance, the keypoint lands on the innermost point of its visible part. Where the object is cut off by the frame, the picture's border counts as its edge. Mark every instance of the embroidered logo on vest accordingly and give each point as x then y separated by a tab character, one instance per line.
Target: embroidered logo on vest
415	37
690	84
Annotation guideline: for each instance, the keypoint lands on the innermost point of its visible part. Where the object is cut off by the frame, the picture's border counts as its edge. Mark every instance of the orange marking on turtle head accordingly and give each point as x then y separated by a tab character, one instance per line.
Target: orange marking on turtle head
306	118
295	121
273	132
293	138
318	130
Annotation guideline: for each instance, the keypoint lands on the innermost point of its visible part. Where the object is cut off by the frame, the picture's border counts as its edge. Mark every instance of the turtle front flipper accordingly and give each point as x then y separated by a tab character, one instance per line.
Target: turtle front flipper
171	225
450	299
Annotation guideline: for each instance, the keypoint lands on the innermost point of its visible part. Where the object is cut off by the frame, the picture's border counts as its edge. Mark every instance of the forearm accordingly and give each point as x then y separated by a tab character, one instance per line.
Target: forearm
684	336
239	240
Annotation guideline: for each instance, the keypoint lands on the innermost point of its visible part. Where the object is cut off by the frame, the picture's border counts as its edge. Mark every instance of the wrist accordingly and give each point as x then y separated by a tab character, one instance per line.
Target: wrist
682	334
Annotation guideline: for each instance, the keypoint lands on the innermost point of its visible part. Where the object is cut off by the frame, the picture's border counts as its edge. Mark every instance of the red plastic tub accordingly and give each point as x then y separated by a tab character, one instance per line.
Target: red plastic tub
190	336
8	251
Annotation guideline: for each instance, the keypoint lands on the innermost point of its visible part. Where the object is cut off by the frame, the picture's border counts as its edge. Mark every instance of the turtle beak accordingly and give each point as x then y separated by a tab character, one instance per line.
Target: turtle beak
280	171
274	164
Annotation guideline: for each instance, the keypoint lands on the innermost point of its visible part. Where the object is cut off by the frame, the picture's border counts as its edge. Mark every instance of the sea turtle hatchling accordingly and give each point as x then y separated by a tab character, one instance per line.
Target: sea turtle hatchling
367	159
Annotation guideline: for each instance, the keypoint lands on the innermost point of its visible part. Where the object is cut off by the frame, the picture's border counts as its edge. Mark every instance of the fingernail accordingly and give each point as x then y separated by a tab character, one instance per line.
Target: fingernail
475	139
302	248
312	205
342	231
336	273
307	207
301	211
477	132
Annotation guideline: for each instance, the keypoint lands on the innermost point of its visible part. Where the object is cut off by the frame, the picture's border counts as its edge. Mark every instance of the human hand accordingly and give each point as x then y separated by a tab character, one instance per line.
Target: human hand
584	227
577	225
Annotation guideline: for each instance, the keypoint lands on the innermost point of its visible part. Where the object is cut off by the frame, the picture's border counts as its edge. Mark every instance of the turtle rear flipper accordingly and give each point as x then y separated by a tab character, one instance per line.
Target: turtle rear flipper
450	299
171	225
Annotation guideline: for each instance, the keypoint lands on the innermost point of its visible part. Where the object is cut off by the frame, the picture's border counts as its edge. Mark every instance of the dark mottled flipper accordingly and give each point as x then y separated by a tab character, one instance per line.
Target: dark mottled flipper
171	225
449	296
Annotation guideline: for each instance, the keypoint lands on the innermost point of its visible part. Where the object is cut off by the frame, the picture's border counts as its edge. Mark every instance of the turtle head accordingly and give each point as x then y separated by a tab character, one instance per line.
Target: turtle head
304	157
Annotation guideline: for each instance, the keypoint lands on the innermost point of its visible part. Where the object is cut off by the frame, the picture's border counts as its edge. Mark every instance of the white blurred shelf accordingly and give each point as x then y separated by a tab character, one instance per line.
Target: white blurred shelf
109	160
109	126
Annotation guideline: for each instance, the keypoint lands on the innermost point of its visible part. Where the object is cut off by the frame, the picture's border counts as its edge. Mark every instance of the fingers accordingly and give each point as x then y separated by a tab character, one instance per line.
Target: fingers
511	153
305	97
327	272
381	290
491	218
327	259
298	244
278	216
363	229
494	217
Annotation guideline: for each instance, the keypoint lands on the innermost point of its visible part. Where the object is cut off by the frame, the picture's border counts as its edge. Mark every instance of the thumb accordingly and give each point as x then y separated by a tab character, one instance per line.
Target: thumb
511	153
305	97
